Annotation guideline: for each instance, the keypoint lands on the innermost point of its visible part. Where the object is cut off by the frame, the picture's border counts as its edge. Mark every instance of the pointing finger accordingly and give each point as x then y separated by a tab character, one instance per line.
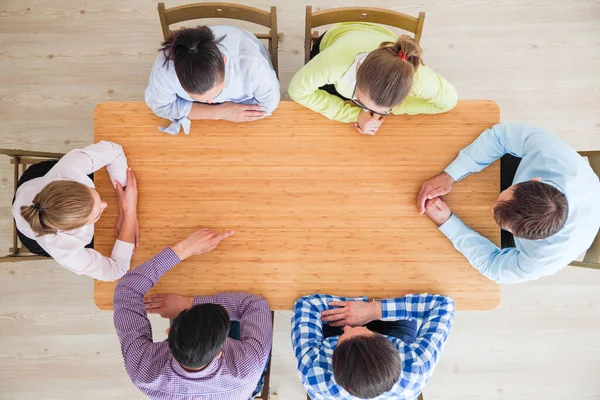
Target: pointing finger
225	235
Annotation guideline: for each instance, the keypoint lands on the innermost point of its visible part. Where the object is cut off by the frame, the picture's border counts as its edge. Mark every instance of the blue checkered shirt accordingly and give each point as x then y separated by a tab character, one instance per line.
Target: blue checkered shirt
433	313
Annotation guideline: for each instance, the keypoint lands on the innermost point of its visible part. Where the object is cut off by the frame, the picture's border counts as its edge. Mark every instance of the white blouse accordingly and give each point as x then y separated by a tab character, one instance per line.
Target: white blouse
68	247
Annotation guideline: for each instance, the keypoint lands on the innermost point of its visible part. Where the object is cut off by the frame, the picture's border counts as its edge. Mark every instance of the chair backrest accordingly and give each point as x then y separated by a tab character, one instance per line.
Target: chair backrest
358	14
174	15
591	259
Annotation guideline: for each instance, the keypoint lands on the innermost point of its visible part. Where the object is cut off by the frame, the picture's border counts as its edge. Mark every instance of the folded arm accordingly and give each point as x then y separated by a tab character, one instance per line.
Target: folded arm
304	88
435	314
266	85
508	138
95	156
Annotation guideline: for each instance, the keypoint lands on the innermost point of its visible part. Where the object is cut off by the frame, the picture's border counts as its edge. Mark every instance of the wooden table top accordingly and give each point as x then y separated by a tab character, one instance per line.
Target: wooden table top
316	207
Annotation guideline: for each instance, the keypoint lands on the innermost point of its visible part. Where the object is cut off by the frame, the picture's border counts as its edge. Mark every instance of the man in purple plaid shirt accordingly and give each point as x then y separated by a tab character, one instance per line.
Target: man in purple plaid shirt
198	361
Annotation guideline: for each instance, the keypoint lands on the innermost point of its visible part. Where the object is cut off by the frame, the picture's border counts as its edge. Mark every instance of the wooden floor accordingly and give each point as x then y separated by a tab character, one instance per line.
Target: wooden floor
539	60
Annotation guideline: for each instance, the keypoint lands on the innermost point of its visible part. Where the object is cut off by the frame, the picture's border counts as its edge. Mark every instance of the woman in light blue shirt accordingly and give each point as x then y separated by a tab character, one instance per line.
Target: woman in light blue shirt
218	72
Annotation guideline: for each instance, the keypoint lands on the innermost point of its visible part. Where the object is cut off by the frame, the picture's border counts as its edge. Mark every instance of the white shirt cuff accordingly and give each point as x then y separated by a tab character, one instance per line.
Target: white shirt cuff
122	253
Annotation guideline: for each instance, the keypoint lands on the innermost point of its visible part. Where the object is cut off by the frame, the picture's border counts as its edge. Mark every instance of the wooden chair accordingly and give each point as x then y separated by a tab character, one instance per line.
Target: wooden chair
264	394
20	159
169	16
358	14
592	255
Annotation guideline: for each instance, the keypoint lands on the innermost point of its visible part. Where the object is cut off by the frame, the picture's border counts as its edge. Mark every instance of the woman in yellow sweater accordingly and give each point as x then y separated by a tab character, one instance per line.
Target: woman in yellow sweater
380	73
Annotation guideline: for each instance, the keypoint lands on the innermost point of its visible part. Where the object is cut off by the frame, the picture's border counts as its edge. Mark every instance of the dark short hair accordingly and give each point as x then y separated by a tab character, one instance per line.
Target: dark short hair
199	64
366	366
198	334
536	211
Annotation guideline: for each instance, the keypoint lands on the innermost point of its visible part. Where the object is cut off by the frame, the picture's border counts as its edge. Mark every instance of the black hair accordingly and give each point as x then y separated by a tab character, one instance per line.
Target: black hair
366	366
199	64
198	334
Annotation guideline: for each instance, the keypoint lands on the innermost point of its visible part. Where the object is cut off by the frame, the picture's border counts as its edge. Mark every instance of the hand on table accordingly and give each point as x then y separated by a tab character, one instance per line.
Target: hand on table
437	186
437	210
352	313
367	123
235	112
200	242
167	305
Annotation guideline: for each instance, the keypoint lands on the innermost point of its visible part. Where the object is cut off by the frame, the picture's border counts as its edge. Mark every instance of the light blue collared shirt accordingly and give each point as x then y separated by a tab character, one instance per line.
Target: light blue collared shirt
249	79
543	156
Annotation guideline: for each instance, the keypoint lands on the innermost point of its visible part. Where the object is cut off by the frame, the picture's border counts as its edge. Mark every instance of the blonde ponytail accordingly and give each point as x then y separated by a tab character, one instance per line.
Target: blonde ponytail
61	205
387	74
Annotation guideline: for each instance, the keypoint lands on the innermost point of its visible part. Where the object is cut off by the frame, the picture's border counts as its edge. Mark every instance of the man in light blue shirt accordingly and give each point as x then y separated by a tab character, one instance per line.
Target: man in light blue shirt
551	208
218	72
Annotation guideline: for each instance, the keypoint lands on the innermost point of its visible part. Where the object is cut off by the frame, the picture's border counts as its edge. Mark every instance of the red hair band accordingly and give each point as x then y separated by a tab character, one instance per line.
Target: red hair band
402	55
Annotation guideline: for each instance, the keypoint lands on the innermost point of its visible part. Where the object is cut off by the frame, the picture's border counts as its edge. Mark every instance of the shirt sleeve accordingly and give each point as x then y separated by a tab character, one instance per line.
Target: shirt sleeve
256	326
165	103
307	336
130	319
500	265
434	314
304	88
266	85
69	254
95	156
430	94
508	138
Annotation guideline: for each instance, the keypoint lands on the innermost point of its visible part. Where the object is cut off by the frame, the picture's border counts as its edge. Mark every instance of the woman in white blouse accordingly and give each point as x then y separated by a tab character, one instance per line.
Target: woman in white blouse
59	209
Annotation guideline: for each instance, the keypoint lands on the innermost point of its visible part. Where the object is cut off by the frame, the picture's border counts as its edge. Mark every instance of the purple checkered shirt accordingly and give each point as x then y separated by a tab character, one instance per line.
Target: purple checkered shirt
152	368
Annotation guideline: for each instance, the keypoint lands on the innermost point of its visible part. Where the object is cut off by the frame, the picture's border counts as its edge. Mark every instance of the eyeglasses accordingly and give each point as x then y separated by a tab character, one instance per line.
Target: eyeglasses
361	105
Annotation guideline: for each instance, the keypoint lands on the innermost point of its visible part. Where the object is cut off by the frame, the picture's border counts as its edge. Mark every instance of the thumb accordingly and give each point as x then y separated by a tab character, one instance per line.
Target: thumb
436	193
119	189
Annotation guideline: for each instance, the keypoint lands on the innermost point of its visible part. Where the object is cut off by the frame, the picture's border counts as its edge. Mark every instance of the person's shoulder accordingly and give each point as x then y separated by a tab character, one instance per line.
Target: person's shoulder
161	63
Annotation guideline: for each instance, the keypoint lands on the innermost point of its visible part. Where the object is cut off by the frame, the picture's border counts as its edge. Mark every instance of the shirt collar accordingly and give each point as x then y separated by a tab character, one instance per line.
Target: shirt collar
227	77
349	78
213	367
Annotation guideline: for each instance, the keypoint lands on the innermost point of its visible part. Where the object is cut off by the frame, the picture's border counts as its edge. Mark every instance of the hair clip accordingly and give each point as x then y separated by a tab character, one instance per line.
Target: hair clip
36	206
402	55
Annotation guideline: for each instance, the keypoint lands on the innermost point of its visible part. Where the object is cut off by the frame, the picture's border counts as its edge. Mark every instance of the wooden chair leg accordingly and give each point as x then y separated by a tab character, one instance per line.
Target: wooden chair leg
265	392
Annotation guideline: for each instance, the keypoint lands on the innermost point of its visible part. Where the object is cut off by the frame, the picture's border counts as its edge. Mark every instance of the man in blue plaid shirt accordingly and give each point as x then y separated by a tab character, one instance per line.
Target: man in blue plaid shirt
360	363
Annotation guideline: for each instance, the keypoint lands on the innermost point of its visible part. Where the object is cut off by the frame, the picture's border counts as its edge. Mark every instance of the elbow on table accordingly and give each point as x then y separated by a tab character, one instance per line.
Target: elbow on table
297	93
449	101
161	110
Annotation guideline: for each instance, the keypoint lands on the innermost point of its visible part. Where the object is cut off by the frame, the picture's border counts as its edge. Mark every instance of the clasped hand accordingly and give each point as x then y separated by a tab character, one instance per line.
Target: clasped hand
429	200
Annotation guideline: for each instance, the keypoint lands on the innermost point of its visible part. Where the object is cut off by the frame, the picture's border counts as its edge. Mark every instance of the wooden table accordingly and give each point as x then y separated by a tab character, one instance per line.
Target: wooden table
316	207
